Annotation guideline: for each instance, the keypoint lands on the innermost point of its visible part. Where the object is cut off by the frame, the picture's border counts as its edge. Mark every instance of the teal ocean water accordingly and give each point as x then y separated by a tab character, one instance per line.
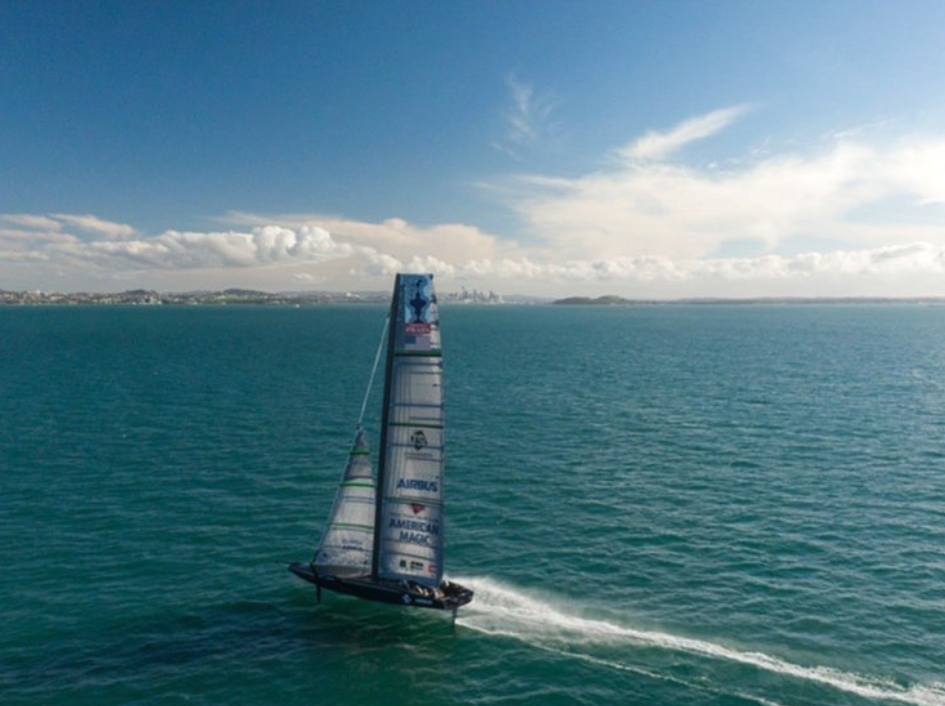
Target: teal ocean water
656	505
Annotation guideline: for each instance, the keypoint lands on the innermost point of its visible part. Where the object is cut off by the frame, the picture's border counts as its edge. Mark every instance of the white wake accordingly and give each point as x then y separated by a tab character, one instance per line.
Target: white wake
499	609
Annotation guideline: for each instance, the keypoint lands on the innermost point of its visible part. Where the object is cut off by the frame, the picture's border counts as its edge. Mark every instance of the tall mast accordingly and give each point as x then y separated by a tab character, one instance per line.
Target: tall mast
385	414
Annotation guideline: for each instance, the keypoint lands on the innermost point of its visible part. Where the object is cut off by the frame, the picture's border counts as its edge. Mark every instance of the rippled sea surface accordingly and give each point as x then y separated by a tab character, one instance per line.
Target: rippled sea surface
655	505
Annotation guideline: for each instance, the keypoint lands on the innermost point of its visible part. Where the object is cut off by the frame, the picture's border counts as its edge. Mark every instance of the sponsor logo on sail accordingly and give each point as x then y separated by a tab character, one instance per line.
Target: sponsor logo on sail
425	486
417	326
418	538
417	341
418	439
417	297
415	525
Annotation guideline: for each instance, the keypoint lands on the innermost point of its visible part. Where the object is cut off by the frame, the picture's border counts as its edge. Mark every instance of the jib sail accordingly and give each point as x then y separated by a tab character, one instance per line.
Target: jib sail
347	546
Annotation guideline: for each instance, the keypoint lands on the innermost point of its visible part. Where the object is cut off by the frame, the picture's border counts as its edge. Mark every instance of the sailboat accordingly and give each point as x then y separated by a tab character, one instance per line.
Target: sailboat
384	539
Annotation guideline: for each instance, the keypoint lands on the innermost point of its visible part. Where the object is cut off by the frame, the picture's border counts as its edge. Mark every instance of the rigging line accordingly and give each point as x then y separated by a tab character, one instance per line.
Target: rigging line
377	358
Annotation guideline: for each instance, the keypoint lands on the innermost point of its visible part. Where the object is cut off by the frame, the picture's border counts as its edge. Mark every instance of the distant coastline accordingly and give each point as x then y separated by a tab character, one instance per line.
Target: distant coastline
147	297
613	300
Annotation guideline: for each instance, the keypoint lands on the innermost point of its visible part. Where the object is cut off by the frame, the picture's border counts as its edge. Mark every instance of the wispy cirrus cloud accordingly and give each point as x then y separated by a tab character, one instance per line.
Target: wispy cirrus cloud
858	194
61	227
656	145
27	234
32	221
527	118
93	224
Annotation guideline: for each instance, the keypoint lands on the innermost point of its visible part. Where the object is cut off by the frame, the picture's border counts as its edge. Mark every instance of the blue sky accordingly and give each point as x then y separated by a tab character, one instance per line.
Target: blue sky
654	149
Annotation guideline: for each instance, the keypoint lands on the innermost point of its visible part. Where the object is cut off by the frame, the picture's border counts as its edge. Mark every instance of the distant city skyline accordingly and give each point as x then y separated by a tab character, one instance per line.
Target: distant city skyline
663	150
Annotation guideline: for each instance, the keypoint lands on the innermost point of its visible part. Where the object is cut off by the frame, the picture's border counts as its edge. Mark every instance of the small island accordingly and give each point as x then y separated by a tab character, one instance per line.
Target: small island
606	300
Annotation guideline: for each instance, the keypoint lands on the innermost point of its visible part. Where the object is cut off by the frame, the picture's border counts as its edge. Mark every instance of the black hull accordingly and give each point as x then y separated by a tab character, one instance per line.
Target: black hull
449	596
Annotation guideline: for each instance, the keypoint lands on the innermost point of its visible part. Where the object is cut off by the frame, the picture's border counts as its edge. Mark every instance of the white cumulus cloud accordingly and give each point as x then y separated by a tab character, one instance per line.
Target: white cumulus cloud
262	246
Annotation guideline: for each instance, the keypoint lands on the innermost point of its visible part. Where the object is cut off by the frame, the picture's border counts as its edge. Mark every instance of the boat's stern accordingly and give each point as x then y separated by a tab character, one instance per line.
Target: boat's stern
454	595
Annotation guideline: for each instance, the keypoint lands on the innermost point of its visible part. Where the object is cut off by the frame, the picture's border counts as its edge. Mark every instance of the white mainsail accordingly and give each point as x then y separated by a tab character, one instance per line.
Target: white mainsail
348	543
409	543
